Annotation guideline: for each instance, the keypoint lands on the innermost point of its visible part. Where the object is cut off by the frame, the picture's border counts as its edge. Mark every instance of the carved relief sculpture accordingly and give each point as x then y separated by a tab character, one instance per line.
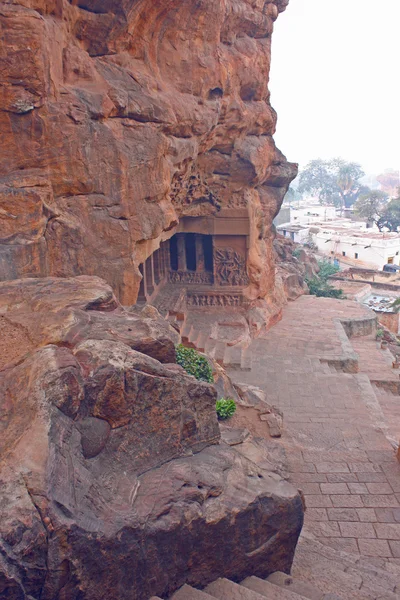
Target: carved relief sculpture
230	267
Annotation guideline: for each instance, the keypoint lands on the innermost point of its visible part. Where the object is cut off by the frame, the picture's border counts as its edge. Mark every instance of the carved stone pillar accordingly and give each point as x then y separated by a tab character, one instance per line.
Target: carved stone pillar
200	264
157	266
142	294
180	237
165	258
149	279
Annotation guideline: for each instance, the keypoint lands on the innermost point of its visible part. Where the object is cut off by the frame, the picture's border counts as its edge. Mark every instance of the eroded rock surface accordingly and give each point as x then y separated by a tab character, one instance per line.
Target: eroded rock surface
119	118
113	479
293	270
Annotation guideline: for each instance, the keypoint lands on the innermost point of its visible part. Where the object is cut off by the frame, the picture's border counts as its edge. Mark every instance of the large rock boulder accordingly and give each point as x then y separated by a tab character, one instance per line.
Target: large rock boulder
114	482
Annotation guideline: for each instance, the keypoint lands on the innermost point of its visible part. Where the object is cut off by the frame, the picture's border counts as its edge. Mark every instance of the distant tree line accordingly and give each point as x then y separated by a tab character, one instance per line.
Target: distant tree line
338	182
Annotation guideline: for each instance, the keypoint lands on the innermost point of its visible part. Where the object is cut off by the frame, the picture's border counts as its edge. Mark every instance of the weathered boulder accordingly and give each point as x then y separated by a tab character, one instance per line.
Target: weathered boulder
292	270
113	479
119	118
35	312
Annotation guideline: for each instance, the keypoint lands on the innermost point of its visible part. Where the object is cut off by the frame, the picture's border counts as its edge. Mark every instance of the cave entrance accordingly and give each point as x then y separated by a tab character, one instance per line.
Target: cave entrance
154	272
208	253
190	251
191	258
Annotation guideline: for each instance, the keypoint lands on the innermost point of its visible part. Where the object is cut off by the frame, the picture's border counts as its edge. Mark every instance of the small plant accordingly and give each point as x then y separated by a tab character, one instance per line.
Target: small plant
296	252
379	334
194	363
319	286
225	408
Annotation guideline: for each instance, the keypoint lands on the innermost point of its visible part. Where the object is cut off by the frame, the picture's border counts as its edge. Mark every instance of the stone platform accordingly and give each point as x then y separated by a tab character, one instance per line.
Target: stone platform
340	433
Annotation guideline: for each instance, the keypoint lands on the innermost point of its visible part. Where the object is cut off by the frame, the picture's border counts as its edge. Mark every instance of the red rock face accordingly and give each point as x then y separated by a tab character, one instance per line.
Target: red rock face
119	117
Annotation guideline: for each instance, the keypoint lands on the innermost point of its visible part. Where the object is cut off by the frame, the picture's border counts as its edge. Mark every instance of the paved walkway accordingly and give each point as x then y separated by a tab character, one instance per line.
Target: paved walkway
337	430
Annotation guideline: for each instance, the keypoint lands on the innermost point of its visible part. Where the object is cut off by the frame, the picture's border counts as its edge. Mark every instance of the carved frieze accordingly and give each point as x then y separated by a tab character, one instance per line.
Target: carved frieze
204	300
195	277
230	267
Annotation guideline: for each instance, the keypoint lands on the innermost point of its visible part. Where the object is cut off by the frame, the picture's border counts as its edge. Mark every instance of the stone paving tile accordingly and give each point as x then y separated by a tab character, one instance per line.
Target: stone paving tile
385	515
367	515
358	488
310	488
372	477
379	501
378	548
332	467
342	514
378	488
357	530
342	544
324	528
334	488
342	478
388	531
395	548
318	501
309	477
337	455
347	501
316	514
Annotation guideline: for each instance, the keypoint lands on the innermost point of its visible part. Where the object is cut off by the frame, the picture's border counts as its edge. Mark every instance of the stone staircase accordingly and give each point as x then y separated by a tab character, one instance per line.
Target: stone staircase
223	336
277	586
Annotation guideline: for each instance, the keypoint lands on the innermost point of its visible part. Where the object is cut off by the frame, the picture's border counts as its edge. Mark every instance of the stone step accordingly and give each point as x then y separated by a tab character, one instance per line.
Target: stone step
185	330
233	357
201	340
193	335
302	588
219	352
187	592
224	589
270	590
324	368
210	346
246	363
339	572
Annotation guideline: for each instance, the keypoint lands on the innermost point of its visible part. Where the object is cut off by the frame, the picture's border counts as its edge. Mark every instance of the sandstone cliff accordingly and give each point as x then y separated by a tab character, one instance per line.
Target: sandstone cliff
114	482
118	117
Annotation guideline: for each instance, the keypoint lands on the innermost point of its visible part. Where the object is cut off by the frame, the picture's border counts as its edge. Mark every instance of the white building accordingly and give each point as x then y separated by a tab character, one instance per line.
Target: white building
297	229
354	244
306	215
297	233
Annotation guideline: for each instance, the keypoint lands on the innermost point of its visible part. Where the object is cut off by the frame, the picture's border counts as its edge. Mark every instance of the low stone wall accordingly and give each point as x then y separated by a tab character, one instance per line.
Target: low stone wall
359	327
347	361
389	320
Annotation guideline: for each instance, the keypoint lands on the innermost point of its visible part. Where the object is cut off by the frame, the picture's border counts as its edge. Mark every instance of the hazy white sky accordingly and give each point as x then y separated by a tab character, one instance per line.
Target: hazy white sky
335	81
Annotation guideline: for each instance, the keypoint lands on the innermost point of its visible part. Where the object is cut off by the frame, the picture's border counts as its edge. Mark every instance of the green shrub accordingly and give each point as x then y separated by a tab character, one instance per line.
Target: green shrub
379	334
225	408
319	285
296	252
326	270
194	363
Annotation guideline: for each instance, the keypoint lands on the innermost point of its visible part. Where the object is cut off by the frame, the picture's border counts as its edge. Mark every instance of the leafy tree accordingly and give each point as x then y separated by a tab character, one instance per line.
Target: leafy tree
371	205
292	195
332	181
390	219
